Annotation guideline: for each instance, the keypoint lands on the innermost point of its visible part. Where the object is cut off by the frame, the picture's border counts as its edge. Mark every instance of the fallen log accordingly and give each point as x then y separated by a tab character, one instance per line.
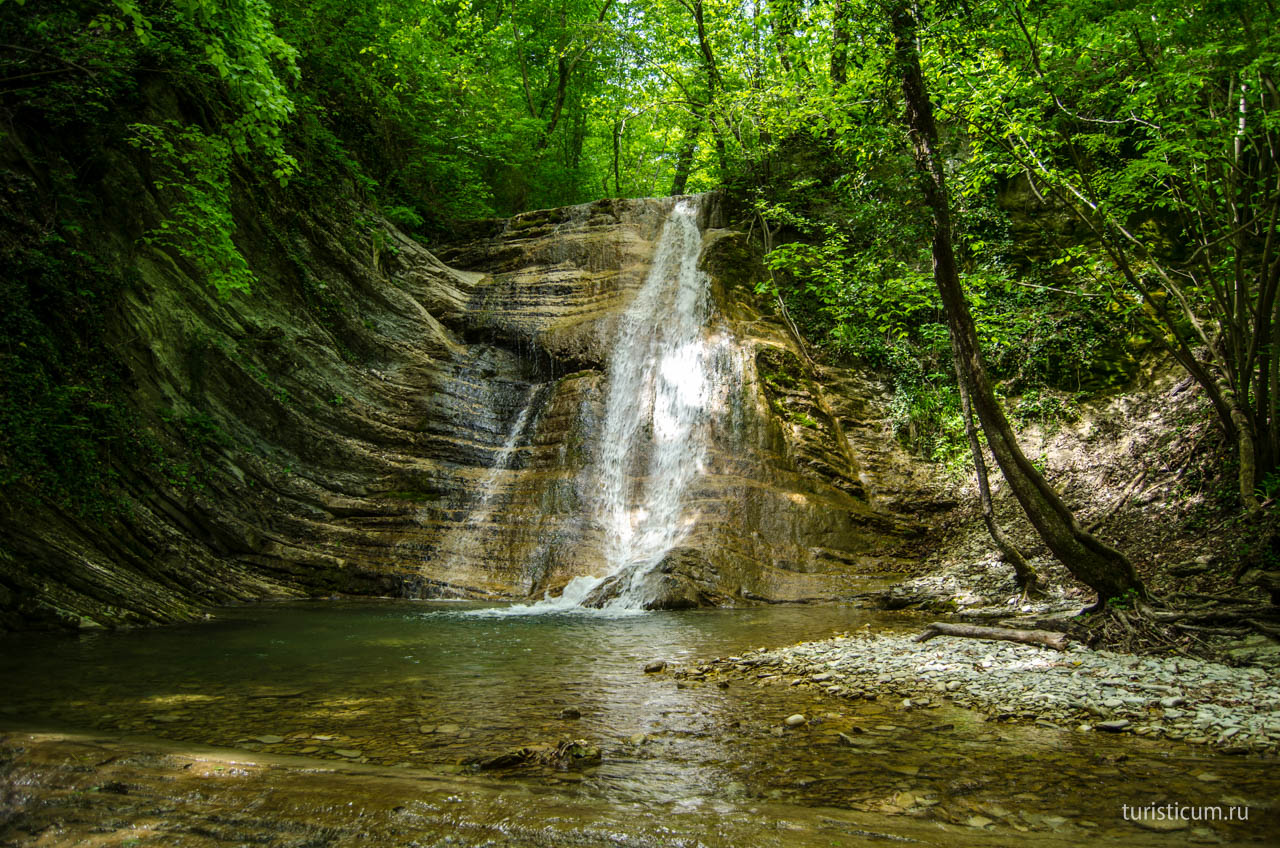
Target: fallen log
1057	641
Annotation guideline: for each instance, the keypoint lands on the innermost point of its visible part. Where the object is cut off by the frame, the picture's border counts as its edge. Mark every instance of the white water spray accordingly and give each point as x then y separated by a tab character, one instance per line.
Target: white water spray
457	542
670	375
662	392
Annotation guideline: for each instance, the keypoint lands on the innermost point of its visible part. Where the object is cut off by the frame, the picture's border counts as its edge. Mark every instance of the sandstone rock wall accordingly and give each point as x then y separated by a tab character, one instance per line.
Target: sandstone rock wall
373	420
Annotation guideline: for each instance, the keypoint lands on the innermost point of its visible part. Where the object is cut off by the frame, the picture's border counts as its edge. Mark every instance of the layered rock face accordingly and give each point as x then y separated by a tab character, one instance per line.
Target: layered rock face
787	503
434	428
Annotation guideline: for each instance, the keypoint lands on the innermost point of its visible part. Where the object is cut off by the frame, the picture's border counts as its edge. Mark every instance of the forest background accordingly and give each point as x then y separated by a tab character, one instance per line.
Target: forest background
1112	167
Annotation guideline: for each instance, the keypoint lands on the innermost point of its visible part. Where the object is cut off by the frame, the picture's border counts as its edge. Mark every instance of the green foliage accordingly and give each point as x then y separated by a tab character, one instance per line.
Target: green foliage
1128	600
195	170
1269	486
238	42
64	423
255	64
404	216
864	289
438	113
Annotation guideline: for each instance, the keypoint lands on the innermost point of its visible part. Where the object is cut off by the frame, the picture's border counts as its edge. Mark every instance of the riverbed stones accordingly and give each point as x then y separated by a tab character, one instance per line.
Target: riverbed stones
1161	825
1180	698
655	666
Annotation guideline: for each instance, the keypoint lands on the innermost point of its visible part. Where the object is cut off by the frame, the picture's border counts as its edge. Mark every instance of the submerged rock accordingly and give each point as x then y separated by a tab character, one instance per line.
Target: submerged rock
568	754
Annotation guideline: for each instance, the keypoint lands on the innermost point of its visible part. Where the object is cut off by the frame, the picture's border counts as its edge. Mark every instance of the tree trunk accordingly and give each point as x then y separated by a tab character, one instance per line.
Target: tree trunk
840	43
715	85
1024	573
1099	566
684	157
617	160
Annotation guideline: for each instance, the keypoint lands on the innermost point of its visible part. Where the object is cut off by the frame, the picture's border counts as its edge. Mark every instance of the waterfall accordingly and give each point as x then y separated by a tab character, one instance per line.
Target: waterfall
671	373
457	541
662	381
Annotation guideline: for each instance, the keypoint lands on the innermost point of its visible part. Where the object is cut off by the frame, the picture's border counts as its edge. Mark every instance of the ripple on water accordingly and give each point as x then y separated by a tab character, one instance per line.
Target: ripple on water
442	685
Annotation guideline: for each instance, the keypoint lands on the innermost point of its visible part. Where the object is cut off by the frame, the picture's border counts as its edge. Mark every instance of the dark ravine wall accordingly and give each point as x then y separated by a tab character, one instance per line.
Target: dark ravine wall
346	411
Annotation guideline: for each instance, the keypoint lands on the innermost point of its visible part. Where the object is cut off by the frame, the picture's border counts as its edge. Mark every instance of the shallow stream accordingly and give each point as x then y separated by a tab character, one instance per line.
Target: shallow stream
449	687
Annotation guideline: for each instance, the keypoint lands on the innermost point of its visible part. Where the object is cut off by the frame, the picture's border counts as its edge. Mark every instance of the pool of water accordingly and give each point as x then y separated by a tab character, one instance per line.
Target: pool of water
462	689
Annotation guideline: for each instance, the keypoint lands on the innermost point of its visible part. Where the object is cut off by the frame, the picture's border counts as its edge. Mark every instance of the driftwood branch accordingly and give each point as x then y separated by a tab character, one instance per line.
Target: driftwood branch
1057	641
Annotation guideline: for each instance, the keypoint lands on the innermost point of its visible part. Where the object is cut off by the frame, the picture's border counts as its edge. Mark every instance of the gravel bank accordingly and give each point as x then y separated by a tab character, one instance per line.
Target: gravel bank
1236	710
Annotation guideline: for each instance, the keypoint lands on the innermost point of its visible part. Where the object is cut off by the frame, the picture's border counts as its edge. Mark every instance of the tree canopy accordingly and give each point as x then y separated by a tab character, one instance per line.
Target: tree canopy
1113	163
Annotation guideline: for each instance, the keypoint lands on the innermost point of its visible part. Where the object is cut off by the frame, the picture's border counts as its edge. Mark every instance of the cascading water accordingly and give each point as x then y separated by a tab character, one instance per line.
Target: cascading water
456	544
670	375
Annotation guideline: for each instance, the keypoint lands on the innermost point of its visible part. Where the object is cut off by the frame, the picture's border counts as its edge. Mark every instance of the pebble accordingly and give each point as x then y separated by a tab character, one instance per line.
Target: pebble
655	666
1161	825
346	752
1235	709
794	720
269	739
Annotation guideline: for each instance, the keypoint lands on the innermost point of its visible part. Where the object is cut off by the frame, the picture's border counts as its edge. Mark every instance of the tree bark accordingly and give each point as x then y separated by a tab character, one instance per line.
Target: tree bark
684	156
1024	573
840	43
1099	566
617	160
715	85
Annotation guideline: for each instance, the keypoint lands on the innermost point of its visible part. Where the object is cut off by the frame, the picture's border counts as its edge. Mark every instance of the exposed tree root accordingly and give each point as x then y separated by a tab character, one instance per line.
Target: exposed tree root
1145	630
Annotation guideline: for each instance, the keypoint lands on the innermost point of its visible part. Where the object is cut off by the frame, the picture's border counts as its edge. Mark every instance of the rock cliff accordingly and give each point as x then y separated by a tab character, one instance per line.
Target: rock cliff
373	420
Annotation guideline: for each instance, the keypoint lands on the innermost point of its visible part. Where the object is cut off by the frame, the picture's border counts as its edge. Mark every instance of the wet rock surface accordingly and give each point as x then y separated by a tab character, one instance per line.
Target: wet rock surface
85	789
430	431
460	698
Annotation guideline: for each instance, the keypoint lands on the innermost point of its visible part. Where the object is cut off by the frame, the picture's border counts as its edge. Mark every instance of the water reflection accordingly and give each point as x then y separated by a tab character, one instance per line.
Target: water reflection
436	685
